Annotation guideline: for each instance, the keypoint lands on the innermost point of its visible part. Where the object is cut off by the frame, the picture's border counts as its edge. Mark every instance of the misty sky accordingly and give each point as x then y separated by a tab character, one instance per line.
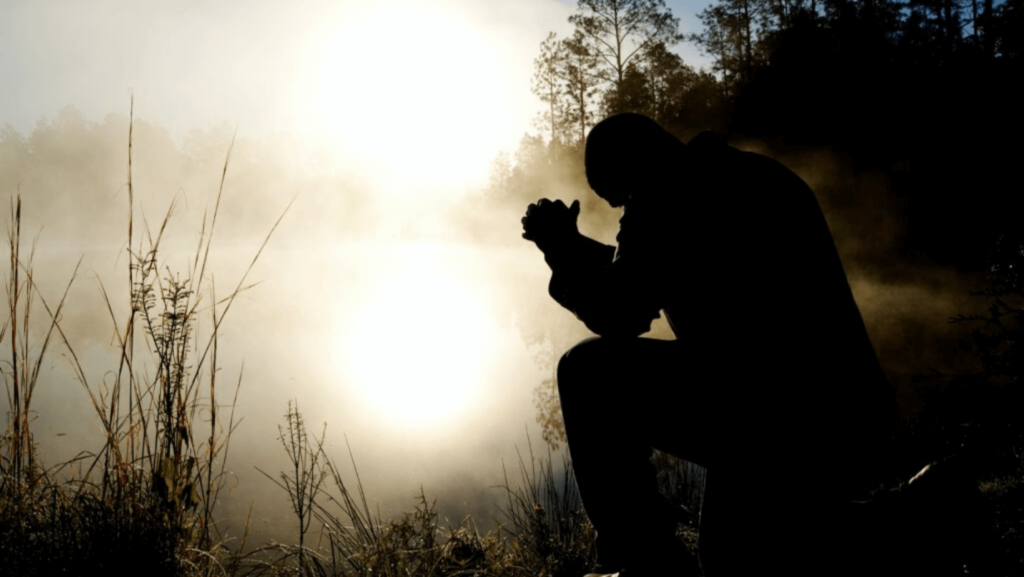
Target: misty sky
298	68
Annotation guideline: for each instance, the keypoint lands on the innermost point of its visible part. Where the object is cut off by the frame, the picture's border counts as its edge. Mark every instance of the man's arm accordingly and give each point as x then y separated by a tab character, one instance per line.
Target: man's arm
587	279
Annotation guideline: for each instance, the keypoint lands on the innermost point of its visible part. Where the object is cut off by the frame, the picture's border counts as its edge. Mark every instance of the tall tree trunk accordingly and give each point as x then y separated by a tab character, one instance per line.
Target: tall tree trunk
986	19
748	52
950	26
974	21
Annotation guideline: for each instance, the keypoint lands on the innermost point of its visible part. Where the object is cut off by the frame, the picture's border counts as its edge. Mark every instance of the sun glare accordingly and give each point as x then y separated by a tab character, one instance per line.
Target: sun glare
416	90
416	355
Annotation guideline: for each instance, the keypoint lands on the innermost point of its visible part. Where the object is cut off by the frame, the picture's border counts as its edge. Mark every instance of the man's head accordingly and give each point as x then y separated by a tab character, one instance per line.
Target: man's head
627	152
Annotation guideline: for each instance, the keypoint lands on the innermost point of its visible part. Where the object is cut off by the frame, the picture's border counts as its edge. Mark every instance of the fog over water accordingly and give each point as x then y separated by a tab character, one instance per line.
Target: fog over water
348	292
381	136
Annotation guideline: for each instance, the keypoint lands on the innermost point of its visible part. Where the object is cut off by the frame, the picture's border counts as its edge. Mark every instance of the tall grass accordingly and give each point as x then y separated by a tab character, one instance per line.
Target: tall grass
545	531
548	528
145	500
682	484
352	539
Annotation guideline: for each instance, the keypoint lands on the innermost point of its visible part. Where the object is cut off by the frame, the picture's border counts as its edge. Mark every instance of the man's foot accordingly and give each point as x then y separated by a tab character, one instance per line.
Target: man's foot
628	573
664	557
689	568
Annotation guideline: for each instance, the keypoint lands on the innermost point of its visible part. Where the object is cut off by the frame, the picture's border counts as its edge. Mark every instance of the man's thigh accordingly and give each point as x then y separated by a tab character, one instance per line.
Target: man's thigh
649	388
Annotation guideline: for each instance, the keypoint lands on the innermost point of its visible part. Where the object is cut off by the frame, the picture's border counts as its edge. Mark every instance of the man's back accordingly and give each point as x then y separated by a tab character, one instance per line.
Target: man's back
756	287
733	248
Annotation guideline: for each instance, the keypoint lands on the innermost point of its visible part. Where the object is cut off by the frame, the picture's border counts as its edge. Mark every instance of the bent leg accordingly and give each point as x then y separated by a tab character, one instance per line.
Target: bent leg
621	398
765	505
761	520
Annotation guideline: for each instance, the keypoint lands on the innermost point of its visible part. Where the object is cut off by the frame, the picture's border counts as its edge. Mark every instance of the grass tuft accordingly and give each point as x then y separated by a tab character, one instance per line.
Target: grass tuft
145	500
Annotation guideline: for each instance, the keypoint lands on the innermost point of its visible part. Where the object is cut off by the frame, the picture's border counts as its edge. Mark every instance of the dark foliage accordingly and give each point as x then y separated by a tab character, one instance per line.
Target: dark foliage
64	531
926	92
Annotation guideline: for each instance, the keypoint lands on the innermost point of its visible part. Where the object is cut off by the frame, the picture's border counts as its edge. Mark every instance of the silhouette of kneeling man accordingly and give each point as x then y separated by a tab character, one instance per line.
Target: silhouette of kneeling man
772	384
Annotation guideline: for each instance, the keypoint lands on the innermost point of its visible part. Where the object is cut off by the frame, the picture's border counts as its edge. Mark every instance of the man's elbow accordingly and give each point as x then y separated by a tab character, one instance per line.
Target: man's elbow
615	326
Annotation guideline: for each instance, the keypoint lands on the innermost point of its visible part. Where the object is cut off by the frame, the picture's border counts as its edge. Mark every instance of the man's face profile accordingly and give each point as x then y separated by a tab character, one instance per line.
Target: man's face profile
615	194
612	173
627	153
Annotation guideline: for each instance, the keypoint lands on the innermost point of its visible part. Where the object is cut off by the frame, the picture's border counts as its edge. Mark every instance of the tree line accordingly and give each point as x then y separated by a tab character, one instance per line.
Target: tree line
924	91
618	59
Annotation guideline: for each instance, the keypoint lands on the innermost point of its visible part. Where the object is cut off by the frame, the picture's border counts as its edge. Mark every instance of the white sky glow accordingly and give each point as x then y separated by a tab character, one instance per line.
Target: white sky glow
427	98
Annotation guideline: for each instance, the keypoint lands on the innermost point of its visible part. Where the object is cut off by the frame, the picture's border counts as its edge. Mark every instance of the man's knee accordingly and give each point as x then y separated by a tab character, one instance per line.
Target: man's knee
579	365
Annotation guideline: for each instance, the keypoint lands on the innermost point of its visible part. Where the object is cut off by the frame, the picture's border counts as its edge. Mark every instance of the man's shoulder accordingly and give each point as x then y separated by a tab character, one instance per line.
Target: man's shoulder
710	152
708	140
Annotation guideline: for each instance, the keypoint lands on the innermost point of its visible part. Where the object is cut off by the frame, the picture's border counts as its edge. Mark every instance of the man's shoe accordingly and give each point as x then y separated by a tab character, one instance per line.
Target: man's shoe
690	568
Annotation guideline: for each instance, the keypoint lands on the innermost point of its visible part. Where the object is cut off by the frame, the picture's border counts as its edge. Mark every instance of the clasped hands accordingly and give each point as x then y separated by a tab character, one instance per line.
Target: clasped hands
548	223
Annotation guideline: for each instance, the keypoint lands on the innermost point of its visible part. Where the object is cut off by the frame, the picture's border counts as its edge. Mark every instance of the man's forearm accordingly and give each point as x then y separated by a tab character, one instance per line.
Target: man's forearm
584	282
576	251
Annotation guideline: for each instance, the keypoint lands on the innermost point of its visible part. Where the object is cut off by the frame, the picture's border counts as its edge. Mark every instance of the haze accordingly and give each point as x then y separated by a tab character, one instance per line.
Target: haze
387	304
372	310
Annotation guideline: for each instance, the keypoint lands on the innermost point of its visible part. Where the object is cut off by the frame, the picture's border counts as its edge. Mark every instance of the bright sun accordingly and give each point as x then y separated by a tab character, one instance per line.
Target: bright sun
415	89
416	355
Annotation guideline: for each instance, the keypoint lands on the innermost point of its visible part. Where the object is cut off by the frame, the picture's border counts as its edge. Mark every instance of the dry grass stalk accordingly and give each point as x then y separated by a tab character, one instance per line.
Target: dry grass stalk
151	489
